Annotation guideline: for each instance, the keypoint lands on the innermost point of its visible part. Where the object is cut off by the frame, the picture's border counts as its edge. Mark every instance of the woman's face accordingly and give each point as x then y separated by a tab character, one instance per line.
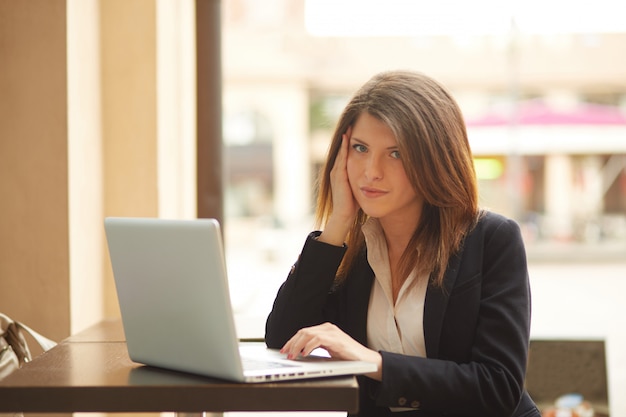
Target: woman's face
376	174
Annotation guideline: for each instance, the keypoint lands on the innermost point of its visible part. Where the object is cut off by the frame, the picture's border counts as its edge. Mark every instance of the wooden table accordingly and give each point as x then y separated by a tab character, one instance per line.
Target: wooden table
91	372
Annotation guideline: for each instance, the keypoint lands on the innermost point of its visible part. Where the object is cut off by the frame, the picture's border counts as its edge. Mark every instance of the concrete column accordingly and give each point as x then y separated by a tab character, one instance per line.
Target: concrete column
34	225
558	197
129	116
590	199
80	140
176	108
85	179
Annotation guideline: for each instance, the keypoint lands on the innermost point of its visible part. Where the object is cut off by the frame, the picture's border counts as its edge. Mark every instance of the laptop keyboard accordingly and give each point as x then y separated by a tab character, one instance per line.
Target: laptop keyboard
250	364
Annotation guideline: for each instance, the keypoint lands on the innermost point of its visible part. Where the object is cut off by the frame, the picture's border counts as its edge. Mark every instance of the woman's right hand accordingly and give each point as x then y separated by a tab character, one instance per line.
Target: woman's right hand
345	206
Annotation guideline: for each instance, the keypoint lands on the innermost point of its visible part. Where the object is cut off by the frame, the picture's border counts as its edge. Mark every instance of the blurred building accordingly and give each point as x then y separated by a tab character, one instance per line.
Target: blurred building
546	114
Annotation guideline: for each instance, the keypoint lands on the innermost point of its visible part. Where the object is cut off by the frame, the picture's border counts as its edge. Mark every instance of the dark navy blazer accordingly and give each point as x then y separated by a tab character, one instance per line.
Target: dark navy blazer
476	328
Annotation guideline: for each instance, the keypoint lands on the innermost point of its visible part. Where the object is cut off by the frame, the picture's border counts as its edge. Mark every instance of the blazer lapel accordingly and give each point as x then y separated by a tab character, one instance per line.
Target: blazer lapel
435	306
361	303
357	301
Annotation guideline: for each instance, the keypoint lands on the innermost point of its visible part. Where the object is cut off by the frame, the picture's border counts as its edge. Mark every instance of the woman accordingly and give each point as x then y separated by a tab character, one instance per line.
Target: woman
407	271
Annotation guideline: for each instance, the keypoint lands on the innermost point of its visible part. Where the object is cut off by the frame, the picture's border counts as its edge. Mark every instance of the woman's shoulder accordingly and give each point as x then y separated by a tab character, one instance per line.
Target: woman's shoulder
494	235
489	222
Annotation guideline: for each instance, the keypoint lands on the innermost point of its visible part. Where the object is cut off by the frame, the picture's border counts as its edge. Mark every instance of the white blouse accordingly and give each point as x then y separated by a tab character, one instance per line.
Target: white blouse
398	327
393	327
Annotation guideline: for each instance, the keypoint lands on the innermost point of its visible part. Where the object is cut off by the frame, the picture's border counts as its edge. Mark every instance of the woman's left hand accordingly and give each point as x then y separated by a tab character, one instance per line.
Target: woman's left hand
338	344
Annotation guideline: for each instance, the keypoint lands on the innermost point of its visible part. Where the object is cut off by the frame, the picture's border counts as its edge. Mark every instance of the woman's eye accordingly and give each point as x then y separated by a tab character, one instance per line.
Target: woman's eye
395	154
359	148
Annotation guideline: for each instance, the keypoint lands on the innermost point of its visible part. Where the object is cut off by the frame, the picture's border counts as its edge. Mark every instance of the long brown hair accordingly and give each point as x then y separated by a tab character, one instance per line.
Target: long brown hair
429	128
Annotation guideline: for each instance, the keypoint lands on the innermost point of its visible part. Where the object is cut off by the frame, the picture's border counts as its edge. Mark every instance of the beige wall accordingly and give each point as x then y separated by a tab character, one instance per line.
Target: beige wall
34	241
84	143
129	115
79	140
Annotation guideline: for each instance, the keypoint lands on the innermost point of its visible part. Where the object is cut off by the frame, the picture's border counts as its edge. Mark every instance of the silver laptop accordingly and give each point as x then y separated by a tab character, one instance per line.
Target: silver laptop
172	287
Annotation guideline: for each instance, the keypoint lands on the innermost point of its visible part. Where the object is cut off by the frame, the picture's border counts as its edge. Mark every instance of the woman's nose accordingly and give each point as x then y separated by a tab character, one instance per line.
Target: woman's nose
373	170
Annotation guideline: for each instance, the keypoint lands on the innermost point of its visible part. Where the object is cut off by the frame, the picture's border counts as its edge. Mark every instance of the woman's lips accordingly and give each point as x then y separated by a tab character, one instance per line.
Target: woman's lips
372	192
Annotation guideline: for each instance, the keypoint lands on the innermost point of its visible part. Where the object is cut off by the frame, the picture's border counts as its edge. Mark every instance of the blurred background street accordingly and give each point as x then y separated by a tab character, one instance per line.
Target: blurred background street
544	96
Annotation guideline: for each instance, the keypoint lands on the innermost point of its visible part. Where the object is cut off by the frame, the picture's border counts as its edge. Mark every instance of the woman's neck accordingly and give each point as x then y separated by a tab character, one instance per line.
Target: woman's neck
398	234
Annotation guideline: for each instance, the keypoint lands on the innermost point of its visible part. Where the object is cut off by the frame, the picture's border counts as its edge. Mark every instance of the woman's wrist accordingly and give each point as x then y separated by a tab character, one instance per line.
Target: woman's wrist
375	357
335	232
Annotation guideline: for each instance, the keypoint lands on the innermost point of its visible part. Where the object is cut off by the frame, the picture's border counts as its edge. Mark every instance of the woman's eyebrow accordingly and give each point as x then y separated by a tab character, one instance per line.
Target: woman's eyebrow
362	142
358	140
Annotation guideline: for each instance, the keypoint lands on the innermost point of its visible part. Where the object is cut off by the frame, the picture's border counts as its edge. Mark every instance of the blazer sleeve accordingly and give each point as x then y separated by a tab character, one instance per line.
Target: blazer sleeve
479	372
301	299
